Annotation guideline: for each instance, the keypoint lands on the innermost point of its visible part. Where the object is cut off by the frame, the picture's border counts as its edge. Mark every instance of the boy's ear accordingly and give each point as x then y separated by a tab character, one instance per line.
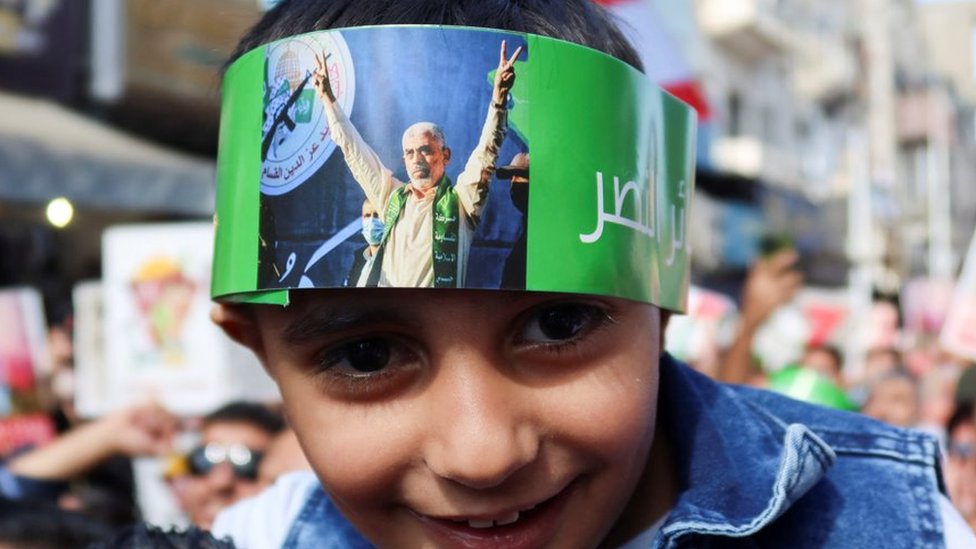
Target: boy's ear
239	324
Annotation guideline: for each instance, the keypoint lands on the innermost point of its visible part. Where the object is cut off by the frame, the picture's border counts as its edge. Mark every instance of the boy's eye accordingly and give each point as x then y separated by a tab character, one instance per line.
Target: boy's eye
363	357
562	322
367	355
370	367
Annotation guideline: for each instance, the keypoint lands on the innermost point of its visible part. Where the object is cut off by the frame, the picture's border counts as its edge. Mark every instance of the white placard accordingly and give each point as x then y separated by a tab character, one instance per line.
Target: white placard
160	342
91	372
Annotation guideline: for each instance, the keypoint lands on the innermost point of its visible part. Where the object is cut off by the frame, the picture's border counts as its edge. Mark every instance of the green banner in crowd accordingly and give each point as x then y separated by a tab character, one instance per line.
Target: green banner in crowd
419	156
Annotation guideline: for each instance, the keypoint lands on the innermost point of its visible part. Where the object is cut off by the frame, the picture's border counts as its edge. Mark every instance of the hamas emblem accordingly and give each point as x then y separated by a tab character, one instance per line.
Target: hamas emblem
295	139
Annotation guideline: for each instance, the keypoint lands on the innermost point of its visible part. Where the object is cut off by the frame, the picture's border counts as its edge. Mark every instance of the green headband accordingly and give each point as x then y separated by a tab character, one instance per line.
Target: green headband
306	149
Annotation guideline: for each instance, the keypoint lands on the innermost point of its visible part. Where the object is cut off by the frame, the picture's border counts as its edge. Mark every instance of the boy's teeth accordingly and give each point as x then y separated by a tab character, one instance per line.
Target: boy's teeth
507	520
489	523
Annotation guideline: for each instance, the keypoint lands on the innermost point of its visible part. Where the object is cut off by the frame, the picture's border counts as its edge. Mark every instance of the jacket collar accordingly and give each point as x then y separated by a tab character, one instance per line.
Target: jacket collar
738	466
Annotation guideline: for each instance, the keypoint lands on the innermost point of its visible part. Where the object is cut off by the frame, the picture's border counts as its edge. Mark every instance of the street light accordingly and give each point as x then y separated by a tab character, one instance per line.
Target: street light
60	212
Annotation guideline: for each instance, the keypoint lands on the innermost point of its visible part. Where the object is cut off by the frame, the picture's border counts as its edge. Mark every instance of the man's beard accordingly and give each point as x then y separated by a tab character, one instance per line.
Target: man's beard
422	183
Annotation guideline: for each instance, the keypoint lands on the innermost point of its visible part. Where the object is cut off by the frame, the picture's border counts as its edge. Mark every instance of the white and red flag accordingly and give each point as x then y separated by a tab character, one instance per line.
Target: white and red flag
665	35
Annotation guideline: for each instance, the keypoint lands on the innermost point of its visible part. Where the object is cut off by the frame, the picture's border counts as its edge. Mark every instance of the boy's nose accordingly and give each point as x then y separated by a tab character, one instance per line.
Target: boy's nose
479	437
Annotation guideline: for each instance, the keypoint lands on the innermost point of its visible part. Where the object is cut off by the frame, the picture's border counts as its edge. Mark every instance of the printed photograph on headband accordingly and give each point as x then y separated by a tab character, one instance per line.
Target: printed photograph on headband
399	156
394	158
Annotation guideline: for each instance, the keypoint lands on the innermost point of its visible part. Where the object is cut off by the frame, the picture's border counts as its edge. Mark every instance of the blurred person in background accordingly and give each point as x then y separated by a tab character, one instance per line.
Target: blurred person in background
362	262
702	337
960	461
223	468
83	469
893	399
882	360
937	400
826	360
282	467
771	283
878	362
46	473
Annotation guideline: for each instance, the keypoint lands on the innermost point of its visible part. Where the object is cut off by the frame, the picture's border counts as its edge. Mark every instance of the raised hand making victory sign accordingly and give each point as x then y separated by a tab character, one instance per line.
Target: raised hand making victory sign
505	75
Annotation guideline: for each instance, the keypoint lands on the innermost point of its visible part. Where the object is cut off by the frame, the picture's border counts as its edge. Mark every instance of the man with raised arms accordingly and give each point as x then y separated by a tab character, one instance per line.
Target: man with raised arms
429	222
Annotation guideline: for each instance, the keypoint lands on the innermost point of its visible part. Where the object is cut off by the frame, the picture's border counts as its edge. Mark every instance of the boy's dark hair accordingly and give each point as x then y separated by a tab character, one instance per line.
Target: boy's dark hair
37	525
579	21
251	413
147	536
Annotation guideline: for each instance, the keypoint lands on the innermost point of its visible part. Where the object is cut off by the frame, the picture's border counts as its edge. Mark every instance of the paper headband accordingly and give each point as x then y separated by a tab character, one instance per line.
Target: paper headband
371	157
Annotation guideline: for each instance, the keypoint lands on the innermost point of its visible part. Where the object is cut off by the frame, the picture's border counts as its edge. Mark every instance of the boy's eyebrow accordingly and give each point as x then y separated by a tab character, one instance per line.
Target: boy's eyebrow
325	321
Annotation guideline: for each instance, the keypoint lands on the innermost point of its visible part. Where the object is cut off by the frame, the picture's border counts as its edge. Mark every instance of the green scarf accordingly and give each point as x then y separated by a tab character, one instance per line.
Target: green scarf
444	244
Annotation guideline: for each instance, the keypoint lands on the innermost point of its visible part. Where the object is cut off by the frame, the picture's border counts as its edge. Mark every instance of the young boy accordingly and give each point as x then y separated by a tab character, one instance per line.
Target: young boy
470	418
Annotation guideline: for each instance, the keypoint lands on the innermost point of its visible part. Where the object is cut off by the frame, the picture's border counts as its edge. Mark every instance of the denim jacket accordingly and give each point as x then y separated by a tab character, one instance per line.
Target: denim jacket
762	470
759	470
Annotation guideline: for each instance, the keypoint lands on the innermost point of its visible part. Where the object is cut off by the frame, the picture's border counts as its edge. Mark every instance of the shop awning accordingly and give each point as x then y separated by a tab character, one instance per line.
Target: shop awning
48	151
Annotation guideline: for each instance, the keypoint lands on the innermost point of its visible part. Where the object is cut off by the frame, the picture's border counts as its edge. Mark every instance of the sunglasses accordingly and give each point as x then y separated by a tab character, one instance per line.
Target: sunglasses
962	450
242	460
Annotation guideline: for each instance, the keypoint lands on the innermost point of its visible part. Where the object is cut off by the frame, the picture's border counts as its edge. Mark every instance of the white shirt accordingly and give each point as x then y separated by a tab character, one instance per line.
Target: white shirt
262	521
407	260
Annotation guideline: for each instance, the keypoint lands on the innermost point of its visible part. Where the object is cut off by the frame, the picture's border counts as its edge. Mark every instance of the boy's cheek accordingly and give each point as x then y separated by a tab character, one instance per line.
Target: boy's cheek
357	453
611	418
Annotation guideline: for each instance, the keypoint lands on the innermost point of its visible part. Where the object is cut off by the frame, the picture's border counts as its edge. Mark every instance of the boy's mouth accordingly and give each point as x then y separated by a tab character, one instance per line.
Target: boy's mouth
504	521
527	527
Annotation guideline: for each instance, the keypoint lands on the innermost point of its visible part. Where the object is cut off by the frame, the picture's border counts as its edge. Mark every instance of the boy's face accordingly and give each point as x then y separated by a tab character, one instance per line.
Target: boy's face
435	418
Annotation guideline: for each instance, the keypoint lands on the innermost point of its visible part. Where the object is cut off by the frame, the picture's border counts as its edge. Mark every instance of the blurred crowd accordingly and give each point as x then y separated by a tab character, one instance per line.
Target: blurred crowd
916	385
82	486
